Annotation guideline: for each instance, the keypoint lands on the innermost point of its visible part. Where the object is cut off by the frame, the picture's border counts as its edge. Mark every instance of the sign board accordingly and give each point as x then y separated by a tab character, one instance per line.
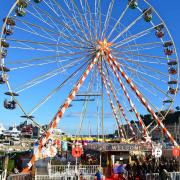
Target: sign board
158	152
103	147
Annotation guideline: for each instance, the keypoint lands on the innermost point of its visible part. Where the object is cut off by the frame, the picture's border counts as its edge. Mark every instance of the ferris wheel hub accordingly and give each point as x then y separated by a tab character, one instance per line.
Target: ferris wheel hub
103	46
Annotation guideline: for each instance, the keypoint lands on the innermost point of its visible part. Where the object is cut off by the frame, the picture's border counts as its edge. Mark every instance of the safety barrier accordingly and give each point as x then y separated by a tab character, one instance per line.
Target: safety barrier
68	172
21	176
3	175
81	169
169	176
66	177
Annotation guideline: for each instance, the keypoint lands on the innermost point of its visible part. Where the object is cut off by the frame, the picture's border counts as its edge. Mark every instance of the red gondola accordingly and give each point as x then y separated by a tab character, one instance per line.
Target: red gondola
168	52
172	70
172	91
160	34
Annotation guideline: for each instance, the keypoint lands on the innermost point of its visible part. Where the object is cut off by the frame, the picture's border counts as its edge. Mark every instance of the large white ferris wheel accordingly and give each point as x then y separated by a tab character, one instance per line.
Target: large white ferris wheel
118	54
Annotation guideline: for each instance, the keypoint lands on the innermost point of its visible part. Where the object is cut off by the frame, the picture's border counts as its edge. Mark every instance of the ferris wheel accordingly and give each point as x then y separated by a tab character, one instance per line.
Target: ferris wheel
119	56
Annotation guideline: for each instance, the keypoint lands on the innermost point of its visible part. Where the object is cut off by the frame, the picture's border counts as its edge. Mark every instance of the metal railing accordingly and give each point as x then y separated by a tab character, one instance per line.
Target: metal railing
66	177
68	172
169	176
21	176
81	169
3	175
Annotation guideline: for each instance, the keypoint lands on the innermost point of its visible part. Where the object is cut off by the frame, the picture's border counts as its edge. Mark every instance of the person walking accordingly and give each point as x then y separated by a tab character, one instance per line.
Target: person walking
98	175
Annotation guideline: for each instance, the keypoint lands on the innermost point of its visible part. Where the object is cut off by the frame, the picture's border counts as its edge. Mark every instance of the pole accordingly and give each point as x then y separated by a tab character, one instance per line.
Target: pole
102	100
100	159
76	166
6	160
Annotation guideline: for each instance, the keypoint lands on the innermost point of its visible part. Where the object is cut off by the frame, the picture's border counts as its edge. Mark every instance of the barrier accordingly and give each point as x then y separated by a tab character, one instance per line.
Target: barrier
68	172
21	176
84	169
67	177
3	175
170	176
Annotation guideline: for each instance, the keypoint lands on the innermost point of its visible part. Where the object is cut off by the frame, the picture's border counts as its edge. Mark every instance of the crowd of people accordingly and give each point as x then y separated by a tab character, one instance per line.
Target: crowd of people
139	169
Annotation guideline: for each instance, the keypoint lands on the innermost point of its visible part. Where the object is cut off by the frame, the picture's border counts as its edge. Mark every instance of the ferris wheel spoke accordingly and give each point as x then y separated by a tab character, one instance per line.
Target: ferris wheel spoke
144	66
47	31
143	87
86	11
82	18
138	61
135	36
42	78
31	65
154	86
128	27
95	18
141	98
73	12
52	9
49	44
26	65
118	22
54	91
41	59
143	55
40	19
65	25
35	33
108	16
39	14
154	107
140	47
143	46
91	19
99	14
144	73
72	19
155	46
49	50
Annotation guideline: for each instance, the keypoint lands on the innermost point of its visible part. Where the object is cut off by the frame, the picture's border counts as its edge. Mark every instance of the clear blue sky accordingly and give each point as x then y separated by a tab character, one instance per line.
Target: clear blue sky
169	11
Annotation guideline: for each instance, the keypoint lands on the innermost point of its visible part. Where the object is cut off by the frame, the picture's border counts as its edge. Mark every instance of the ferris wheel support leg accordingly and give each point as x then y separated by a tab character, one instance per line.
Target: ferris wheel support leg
143	101
111	103
61	111
109	83
145	131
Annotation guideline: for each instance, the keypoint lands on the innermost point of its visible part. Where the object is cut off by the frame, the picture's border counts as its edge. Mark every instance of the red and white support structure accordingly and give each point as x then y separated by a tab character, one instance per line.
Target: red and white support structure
62	110
111	103
115	65
109	83
145	131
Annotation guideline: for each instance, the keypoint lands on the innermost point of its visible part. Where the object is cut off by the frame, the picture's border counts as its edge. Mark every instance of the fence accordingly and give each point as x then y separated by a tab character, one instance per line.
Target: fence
47	177
3	175
81	169
68	172
21	176
170	176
